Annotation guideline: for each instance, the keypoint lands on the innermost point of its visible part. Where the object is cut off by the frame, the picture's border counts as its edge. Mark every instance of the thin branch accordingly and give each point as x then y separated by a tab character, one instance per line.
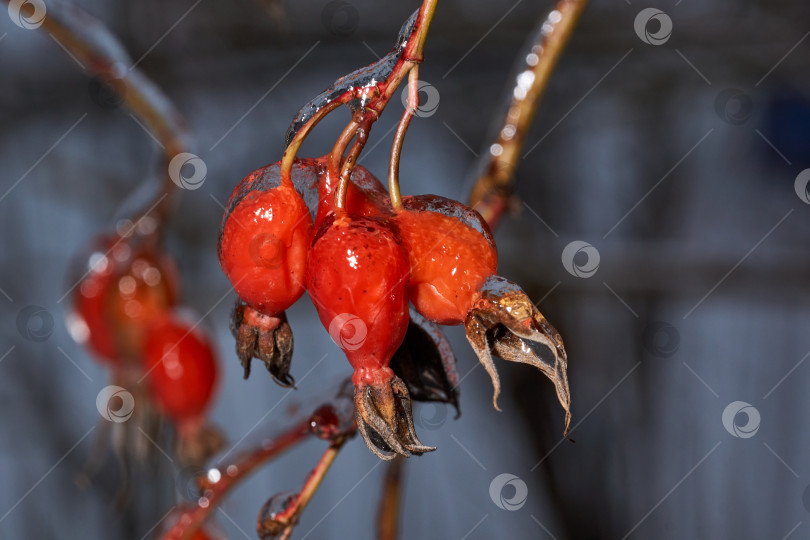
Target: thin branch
230	476
388	516
378	97
283	522
93	46
490	194
399	138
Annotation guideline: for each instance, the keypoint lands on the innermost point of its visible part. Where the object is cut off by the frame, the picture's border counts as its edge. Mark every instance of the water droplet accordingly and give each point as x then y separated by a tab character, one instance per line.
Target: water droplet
324	422
270	526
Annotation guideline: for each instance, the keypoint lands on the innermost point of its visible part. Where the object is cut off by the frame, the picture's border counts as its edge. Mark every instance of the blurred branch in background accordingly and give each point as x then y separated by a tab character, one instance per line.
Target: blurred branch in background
497	164
390	500
97	50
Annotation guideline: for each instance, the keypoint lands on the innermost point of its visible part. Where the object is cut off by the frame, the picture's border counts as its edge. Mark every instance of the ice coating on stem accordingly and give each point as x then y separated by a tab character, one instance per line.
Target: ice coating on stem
356	88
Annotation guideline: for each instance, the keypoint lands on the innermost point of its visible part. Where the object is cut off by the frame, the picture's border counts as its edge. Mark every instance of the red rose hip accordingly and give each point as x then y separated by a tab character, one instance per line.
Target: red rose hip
451	255
356	277
263	244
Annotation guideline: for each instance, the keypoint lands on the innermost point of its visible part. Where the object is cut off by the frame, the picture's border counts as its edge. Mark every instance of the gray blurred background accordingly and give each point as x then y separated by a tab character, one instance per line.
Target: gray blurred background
677	162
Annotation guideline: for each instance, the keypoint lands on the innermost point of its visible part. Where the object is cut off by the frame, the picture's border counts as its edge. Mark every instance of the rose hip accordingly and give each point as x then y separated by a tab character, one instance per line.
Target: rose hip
451	254
356	277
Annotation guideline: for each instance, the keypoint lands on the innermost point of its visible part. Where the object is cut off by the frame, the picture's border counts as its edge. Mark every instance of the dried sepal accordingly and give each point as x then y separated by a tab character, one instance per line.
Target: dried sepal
426	363
504	322
385	419
268	338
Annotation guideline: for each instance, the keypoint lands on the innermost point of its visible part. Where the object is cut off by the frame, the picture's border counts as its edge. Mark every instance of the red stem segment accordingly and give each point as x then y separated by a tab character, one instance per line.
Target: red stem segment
283	523
411	57
230	476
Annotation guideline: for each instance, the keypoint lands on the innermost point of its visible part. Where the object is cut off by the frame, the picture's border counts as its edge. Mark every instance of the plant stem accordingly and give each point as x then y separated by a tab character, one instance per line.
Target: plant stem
231	475
288	519
354	152
288	158
411	57
425	18
492	189
99	51
333	164
399	138
388	517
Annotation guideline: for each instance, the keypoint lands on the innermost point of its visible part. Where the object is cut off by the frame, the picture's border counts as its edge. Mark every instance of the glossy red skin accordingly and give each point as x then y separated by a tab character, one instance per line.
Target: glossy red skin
181	368
263	248
449	262
370	200
278	221
358	267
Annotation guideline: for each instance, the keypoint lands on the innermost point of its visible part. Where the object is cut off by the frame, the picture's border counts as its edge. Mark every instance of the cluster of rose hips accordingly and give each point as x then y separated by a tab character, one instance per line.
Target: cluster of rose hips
124	308
363	253
361	261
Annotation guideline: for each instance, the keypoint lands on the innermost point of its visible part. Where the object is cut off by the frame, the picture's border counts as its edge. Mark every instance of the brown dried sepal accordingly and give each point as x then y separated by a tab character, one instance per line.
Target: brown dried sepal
268	338
385	419
504	322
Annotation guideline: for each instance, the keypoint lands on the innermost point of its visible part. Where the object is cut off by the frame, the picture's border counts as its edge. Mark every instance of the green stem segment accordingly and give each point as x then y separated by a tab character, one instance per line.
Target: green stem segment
399	138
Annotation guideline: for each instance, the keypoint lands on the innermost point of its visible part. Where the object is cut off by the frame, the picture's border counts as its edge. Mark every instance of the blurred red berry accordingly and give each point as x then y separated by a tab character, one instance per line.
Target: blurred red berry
181	368
125	285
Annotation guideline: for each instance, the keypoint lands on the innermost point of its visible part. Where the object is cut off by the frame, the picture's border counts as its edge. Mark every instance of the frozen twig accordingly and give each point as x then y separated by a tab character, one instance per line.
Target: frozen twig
497	165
